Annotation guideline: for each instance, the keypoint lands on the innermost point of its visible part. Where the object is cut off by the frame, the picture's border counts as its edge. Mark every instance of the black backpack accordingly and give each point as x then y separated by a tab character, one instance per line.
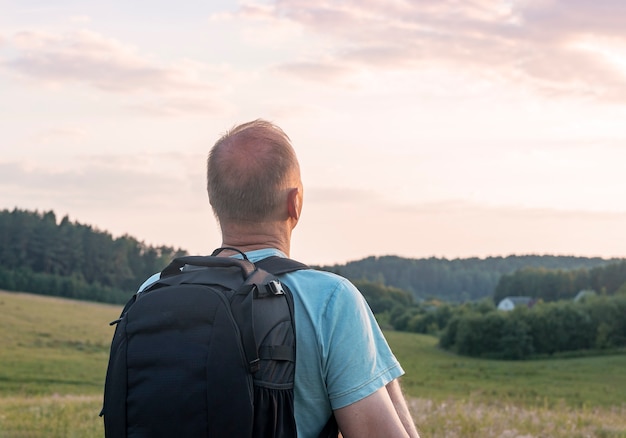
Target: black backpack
208	350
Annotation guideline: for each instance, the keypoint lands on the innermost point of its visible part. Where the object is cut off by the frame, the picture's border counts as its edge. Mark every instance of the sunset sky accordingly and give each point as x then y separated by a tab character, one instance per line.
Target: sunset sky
431	128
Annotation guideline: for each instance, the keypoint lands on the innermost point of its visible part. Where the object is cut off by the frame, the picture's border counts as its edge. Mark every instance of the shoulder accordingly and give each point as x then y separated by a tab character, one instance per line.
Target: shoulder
313	282
328	301
324	277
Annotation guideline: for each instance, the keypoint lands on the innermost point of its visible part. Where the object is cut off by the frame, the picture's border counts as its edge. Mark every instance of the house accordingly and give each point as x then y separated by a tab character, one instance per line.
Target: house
510	303
584	294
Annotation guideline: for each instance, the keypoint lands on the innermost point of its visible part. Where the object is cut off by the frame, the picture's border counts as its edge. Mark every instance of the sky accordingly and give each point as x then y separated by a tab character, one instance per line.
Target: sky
431	128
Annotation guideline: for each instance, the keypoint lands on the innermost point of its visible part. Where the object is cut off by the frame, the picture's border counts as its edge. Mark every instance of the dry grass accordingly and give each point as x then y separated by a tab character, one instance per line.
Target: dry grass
452	419
77	417
56	416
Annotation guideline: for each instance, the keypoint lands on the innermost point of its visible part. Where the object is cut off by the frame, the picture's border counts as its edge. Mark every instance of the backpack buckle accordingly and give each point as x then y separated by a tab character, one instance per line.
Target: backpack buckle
254	366
275	288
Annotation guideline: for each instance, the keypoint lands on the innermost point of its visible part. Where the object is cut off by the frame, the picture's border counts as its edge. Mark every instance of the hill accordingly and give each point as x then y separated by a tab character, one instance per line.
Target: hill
41	254
53	345
53	356
455	280
57	345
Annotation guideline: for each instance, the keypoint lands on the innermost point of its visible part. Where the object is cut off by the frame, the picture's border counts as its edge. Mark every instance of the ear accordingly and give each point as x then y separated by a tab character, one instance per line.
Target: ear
294	200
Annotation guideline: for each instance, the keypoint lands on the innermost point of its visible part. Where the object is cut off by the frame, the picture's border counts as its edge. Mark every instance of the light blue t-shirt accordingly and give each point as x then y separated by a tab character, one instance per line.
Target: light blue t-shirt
341	353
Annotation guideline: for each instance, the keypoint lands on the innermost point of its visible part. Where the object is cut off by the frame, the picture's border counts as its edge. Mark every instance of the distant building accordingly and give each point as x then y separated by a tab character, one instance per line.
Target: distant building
584	294
510	303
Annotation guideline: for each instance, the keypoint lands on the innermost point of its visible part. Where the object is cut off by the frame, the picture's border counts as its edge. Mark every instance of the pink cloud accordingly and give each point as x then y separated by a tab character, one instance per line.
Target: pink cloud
527	43
95	181
178	106
90	58
316	71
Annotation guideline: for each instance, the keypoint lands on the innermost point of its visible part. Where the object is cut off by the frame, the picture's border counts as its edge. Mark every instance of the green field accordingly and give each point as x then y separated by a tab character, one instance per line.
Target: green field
577	382
53	355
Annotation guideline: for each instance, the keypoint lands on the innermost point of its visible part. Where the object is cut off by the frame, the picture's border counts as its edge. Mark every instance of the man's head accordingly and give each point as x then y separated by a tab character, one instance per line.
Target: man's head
252	172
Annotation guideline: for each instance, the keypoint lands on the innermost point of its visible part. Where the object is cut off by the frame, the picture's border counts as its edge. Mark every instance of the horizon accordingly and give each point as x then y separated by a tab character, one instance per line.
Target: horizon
95	227
445	129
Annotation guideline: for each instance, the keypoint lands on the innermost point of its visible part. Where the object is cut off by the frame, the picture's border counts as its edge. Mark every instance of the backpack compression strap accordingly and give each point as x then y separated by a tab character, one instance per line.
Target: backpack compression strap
268	268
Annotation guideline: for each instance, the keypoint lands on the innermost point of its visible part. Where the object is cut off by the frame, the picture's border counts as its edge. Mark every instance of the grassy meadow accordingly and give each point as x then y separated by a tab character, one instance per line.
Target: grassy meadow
53	356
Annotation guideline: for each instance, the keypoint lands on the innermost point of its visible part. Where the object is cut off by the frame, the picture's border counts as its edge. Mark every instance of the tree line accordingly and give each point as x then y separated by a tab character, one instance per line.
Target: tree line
42	255
478	329
556	324
456	280
81	256
553	285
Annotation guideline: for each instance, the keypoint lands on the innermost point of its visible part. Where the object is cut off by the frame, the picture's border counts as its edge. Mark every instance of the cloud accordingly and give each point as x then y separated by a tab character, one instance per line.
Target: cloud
80	19
316	71
89	58
62	134
178	106
558	17
536	43
122	182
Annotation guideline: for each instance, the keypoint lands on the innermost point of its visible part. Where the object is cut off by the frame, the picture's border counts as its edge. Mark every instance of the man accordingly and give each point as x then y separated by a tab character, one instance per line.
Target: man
343	363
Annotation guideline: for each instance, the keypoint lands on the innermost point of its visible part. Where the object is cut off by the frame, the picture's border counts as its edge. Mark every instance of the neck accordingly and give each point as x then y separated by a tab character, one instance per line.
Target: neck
246	239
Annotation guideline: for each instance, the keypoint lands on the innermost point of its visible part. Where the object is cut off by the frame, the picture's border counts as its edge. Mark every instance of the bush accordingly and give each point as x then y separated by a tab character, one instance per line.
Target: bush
546	329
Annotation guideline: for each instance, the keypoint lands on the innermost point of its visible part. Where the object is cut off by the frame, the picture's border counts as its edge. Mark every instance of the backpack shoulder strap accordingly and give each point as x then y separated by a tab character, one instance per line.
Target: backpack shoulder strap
280	265
268	269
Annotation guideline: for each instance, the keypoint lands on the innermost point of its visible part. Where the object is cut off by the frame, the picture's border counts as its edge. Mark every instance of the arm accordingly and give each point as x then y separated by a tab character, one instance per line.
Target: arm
362	371
382	414
399	403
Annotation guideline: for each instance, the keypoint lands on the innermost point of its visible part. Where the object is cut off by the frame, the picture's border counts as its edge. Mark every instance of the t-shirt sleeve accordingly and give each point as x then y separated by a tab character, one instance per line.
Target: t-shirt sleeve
152	279
358	358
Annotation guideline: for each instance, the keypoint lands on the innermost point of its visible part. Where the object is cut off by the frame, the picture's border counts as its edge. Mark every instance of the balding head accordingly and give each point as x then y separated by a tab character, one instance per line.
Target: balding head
250	171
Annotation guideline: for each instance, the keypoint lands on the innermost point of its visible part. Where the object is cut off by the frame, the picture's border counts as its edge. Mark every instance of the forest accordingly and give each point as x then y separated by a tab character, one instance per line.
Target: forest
557	321
457	280
42	255
454	300
558	284
39	253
